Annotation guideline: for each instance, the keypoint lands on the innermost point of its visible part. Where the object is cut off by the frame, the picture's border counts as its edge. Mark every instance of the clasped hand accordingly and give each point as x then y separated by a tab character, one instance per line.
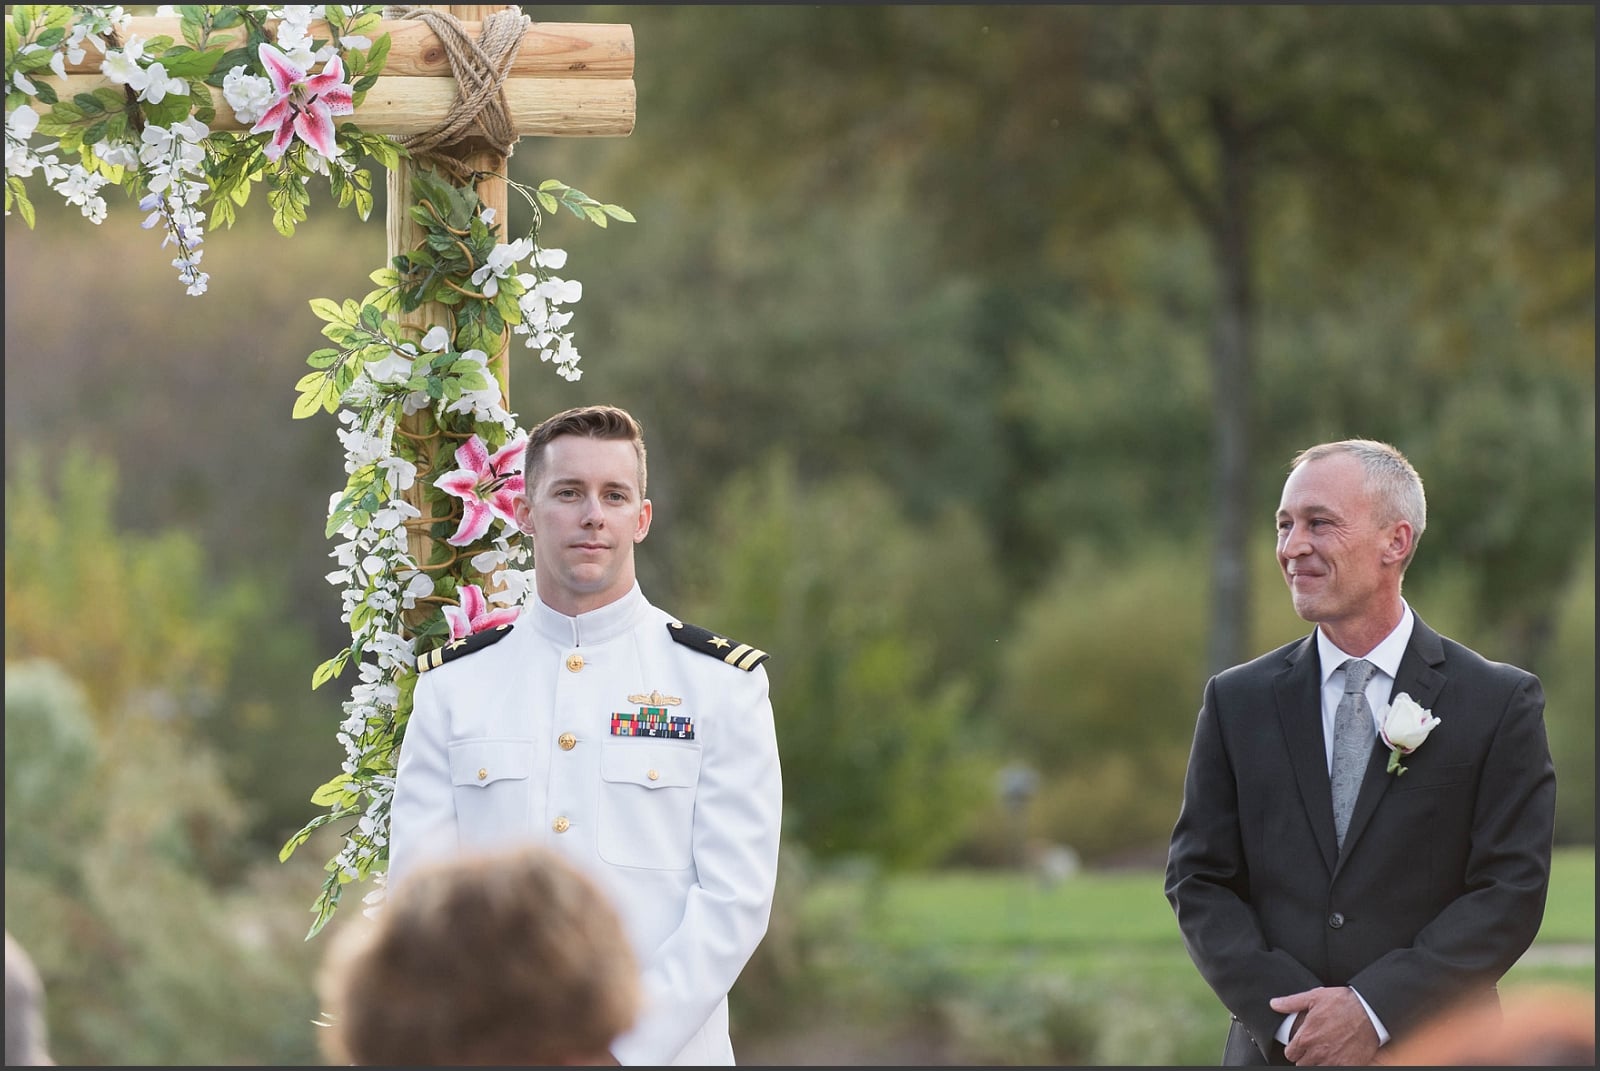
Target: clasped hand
1331	1028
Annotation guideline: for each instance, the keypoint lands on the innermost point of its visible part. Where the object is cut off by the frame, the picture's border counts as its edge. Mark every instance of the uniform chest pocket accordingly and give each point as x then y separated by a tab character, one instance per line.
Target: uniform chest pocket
646	807
490	779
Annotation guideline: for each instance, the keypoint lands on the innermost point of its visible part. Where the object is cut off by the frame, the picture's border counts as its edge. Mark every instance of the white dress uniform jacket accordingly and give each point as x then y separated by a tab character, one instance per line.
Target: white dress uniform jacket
515	742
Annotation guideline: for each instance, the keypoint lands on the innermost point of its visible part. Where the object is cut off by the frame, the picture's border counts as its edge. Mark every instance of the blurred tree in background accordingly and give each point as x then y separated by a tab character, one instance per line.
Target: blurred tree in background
161	933
879	734
972	344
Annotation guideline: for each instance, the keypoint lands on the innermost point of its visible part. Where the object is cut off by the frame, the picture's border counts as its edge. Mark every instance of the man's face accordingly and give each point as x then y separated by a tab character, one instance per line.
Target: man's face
1337	560
585	514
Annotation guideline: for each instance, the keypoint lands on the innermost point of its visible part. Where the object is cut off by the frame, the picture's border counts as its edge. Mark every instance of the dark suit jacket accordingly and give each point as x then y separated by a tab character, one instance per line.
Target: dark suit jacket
1441	884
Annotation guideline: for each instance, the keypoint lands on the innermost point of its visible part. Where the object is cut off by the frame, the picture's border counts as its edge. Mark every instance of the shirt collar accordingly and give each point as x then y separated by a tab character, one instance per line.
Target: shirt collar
1386	656
596	626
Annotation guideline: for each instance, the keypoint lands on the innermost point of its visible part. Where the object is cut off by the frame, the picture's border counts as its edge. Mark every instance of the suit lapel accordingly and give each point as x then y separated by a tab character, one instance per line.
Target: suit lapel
1299	694
1418	678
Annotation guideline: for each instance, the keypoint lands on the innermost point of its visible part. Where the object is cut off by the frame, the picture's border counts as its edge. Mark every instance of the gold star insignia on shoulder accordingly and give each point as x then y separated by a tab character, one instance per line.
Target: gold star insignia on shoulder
740	655
461	648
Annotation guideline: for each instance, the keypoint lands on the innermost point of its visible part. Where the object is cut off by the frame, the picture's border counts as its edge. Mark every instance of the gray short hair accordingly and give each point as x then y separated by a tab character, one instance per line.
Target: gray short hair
1395	487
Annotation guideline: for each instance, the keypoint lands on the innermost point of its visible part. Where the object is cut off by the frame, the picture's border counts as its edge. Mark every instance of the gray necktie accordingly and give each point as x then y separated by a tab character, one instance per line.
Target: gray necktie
1352	742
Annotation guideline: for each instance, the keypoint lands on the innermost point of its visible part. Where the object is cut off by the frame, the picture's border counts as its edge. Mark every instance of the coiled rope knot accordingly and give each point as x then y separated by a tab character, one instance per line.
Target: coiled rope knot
480	68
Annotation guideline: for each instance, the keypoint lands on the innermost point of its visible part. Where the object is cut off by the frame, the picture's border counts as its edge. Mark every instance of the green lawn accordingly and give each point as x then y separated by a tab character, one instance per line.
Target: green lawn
1110	937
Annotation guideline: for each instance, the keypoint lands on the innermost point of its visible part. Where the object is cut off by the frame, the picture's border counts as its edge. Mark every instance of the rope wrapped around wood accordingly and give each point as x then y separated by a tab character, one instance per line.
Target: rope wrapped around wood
480	68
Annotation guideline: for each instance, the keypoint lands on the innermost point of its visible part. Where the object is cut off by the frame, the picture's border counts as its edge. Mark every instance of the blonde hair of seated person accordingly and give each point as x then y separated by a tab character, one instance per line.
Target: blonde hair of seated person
512	958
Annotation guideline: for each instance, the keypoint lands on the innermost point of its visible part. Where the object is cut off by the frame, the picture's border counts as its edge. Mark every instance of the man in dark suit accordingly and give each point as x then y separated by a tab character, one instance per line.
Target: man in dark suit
1329	934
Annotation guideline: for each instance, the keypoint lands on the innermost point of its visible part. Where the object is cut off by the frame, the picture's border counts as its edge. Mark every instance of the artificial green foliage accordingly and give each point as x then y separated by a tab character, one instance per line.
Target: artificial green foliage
212	46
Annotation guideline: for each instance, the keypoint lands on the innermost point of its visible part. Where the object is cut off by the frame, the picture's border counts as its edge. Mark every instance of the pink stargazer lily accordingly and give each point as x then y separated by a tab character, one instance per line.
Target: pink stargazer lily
487	484
474	615
305	106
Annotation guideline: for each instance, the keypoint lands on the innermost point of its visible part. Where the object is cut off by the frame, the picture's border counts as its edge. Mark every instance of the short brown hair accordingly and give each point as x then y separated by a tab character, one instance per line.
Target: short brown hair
591	422
509	958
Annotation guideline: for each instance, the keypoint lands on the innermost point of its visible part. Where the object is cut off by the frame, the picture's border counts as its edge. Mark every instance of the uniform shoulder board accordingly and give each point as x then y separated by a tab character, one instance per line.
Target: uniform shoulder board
459	648
705	641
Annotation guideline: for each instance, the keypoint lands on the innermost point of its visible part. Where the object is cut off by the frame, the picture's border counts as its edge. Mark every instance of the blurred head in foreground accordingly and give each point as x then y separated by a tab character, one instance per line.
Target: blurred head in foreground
511	958
25	1029
1542	1026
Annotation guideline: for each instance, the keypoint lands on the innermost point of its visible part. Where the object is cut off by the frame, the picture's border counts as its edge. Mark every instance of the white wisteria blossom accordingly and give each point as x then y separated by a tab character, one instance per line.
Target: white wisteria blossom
174	160
158	83
395	368
402	473
515	586
396	513
487	561
364	445
117	154
82	188
542	317
483	404
419	585
249	95
121	65
21	122
500	261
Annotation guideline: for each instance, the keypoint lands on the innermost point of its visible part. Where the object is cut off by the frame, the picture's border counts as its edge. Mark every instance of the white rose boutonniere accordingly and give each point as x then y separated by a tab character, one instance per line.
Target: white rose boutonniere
1405	726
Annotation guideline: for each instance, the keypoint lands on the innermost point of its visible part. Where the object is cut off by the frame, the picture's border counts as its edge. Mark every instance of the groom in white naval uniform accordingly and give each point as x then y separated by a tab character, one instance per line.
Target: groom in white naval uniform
640	747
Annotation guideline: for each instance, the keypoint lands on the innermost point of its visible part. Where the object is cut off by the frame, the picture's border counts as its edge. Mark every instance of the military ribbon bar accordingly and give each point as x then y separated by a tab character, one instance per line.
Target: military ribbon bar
652	722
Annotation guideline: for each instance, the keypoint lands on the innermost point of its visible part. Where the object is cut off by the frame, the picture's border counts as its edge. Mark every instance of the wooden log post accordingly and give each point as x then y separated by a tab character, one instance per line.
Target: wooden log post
568	79
404	234
474	155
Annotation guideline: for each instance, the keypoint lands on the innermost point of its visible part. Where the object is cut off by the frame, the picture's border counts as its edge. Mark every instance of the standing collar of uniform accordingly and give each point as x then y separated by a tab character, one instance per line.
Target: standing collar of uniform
1386	656
596	626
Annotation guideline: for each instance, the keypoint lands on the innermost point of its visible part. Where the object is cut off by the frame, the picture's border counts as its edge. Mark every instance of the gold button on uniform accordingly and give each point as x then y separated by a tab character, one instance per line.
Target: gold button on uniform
561	825
574	662
567	741
482	774
654	775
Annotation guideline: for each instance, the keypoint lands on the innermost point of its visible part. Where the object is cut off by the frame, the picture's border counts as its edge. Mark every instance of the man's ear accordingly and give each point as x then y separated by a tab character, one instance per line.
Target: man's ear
522	512
644	522
1401	538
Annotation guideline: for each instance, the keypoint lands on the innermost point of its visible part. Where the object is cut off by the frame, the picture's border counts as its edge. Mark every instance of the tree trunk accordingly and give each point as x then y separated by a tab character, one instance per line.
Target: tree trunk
1232	380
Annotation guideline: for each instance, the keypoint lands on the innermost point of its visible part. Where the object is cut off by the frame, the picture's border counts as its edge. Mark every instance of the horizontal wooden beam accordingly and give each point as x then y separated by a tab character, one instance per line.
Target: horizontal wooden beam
549	49
401	106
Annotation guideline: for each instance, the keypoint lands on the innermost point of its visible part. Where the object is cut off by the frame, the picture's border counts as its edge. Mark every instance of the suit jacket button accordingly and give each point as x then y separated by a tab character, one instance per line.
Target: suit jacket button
561	825
567	741
1336	920
575	662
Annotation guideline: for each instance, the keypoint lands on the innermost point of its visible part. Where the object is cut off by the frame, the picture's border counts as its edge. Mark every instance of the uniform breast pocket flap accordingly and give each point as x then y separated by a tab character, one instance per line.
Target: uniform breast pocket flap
487	761
647	797
650	767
